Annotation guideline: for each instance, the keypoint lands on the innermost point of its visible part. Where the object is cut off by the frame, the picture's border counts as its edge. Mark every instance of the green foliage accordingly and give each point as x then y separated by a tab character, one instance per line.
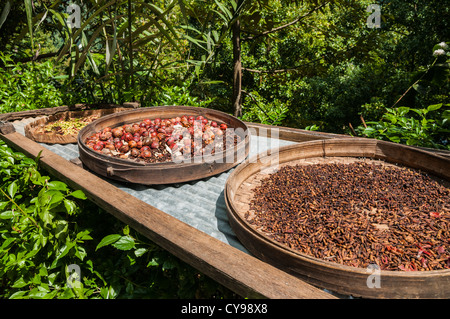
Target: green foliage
417	127
39	240
428	126
45	228
140	269
257	109
179	95
27	86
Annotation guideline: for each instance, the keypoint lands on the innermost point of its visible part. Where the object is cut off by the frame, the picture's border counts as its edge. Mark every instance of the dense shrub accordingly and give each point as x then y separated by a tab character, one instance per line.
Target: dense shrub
56	244
25	86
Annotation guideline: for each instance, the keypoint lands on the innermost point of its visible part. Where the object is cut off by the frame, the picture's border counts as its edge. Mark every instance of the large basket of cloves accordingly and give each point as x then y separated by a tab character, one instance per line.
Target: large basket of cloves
359	217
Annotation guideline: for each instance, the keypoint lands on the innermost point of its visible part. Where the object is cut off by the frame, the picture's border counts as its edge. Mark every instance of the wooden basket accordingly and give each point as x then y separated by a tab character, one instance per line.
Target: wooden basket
124	170
32	129
326	274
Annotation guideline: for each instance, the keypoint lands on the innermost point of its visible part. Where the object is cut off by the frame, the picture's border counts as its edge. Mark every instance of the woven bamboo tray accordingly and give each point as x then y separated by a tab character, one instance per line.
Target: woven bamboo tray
326	274
33	130
124	170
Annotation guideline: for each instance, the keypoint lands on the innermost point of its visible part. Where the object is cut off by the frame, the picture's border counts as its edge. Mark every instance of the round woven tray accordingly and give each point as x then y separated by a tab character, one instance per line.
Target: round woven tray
33	130
125	170
326	274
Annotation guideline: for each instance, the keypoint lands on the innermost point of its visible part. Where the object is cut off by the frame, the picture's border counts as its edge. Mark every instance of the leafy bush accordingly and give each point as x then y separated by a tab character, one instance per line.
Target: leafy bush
136	268
258	109
179	95
27	86
429	128
419	126
47	230
39	239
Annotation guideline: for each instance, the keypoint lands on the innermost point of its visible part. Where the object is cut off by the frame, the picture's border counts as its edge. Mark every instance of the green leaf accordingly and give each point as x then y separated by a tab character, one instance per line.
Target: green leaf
5	12
64	250
446	115
61	229
7	214
403	110
19	295
390	118
84	235
434	107
394	139
12	189
108	240
3	205
19	283
153	263
37	294
78	194
140	251
124	243
7	242
57	185
56	197
70	206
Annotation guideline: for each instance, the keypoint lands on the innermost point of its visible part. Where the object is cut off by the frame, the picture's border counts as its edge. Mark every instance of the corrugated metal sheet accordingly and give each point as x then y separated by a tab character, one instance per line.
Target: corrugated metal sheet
200	204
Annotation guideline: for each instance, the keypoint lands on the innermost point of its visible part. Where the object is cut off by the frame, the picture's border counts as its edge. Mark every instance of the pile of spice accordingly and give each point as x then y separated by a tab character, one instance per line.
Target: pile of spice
69	126
181	138
357	214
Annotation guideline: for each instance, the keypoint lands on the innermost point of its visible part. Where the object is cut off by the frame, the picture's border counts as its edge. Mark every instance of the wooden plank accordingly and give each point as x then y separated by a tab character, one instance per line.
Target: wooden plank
291	134
299	135
240	272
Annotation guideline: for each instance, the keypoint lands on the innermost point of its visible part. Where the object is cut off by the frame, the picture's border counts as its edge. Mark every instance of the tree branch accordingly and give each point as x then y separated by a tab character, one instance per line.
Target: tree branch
282	70
285	25
36	57
271	71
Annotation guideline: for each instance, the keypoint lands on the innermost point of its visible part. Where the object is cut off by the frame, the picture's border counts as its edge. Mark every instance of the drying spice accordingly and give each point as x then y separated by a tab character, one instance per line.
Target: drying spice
69	126
176	139
357	214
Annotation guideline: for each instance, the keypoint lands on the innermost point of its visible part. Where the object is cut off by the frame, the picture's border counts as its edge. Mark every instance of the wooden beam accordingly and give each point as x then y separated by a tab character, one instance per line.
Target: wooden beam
299	135
291	134
236	270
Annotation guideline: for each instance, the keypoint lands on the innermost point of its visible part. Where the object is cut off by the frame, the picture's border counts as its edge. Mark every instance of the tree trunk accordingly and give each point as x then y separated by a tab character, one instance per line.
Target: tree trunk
237	69
130	39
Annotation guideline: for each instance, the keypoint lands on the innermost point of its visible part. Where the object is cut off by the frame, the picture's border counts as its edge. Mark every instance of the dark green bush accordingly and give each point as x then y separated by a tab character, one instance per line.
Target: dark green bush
47	230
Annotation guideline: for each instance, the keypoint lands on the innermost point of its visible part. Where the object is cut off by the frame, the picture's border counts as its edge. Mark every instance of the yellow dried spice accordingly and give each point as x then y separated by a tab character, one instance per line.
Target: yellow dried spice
68	127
